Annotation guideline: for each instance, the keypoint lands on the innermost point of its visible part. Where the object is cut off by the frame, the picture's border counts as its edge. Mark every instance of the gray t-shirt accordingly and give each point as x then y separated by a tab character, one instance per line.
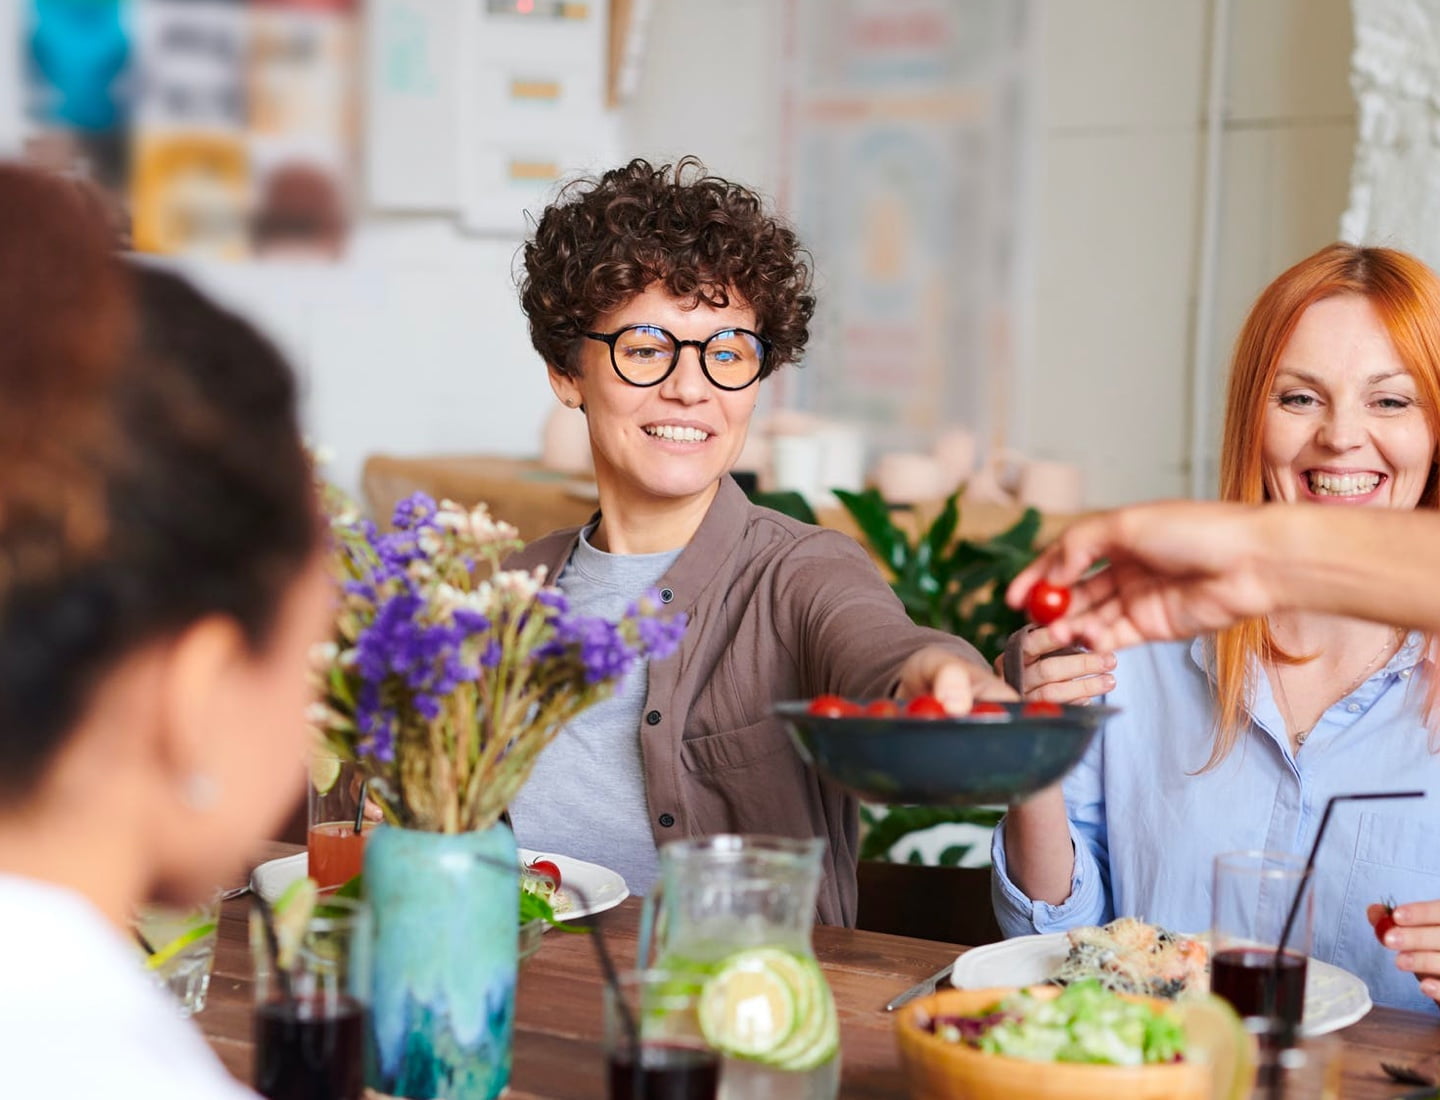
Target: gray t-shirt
586	796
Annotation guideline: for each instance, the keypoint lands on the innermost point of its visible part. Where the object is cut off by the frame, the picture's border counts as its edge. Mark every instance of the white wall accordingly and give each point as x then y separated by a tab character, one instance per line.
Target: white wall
1117	237
416	343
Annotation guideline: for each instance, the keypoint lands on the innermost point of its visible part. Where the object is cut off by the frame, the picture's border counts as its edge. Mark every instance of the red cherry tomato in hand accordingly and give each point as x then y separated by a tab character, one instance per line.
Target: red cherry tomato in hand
1047	602
832	706
882	708
925	706
1042	709
1386	922
547	868
987	707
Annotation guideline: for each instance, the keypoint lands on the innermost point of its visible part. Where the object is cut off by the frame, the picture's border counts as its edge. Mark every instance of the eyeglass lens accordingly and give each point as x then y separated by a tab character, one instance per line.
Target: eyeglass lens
731	357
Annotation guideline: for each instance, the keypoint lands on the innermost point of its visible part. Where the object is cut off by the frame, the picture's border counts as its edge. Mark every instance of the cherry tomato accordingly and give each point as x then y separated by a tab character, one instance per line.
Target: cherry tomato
987	707
1047	602
1386	922
546	867
882	708
1042	708
833	706
925	706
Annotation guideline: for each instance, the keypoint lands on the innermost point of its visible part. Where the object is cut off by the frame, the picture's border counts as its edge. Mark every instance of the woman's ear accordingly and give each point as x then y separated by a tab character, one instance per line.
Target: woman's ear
195	703
566	389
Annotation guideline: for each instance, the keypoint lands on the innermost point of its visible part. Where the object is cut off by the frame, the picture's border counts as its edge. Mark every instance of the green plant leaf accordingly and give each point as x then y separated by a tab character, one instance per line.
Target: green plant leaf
901	820
872	516
952	855
1021	534
787	503
942	529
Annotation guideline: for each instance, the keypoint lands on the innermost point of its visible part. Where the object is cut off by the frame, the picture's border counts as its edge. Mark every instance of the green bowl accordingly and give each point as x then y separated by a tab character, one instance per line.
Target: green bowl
952	761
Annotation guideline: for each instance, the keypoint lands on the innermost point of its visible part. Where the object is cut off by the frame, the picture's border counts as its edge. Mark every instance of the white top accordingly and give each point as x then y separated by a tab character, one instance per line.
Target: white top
79	1019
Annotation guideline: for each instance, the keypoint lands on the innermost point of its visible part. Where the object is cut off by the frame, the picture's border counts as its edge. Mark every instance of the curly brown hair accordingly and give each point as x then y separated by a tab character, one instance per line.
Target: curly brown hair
702	238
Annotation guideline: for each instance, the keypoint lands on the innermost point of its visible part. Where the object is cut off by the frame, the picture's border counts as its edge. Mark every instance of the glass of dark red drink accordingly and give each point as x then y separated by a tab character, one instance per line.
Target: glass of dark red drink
1255	894
311	992
653	1046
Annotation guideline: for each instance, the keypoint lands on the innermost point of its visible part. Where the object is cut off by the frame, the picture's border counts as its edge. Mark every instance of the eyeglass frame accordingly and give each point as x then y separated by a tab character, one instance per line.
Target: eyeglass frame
609	339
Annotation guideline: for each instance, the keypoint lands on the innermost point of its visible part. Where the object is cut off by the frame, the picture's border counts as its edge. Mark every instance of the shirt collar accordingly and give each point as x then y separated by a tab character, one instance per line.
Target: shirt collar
1410	654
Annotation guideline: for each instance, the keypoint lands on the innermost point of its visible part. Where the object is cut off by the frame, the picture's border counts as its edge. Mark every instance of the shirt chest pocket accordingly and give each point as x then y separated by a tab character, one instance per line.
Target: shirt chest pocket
1395	857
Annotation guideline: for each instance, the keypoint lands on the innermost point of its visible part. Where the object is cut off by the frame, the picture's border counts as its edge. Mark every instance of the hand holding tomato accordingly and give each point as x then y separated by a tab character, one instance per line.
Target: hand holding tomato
1412	931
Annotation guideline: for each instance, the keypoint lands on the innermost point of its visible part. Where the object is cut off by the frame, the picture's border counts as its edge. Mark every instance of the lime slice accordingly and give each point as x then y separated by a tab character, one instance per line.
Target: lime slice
194	934
1216	1037
324	771
748	1006
292	911
816	1037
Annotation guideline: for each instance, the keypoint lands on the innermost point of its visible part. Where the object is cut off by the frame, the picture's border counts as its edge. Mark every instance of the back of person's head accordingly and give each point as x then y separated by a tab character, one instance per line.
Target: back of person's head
701	238
168	426
1406	295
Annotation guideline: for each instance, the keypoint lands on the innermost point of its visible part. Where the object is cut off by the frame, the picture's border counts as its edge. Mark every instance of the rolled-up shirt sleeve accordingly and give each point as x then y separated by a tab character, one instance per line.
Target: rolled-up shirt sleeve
1089	901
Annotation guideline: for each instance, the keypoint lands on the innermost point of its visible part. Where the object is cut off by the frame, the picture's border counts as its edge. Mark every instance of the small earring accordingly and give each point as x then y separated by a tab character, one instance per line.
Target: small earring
200	792
569	404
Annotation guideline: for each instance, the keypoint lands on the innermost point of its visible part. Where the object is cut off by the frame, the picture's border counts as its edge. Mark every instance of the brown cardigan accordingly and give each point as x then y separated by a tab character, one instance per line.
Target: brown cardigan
778	610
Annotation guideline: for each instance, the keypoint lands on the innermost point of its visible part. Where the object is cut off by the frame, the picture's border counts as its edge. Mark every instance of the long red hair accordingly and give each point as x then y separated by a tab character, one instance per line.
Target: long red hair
1406	294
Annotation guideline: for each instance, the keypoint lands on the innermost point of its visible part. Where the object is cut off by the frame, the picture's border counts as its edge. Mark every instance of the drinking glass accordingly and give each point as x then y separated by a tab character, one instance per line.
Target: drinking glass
179	946
1285	1070
1254	894
311	1002
336	851
653	1046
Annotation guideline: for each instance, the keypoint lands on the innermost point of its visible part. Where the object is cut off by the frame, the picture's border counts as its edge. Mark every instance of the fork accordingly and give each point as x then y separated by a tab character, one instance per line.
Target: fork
1406	1075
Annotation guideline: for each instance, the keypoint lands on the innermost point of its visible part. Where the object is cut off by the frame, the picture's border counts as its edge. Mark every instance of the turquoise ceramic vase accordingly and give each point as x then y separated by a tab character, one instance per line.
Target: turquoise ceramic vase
443	1001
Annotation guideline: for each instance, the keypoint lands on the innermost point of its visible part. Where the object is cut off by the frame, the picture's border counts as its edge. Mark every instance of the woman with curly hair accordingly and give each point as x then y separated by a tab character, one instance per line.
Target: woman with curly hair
659	298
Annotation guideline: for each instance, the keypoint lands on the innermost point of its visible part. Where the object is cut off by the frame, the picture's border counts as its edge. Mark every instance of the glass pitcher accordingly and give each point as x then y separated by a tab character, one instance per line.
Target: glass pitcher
749	902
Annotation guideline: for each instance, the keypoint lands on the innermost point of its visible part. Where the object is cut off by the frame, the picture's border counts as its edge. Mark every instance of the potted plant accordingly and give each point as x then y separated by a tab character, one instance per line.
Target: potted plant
446	679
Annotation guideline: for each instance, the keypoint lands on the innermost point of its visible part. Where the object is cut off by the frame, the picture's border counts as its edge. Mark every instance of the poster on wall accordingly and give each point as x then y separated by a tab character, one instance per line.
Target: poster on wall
906	123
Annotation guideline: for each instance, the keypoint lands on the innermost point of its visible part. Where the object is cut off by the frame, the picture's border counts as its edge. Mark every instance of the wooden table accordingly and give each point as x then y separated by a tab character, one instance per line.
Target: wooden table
557	1033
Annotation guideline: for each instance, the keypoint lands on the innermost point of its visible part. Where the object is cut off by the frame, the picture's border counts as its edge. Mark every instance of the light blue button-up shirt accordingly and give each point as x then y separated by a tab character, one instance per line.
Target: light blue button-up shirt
1147	823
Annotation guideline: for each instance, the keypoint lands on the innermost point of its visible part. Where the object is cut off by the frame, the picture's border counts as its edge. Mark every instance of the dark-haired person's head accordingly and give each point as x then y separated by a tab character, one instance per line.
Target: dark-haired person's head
158	599
659	299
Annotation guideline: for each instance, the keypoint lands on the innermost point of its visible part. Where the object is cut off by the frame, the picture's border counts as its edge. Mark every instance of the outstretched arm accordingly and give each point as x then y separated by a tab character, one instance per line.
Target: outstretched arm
1181	568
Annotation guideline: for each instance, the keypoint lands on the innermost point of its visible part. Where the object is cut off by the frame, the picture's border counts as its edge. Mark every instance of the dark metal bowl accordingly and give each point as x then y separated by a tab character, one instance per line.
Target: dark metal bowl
956	761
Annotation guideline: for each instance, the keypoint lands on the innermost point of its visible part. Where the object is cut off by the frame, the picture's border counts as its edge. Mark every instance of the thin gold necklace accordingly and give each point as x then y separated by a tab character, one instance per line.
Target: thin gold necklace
1392	646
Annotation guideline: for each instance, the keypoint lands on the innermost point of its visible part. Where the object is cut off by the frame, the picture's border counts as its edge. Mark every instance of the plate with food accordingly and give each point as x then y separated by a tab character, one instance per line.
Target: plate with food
584	888
1132	956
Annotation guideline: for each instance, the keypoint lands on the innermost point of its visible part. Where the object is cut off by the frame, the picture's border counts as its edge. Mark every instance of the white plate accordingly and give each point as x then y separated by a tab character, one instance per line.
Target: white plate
1334	998
602	887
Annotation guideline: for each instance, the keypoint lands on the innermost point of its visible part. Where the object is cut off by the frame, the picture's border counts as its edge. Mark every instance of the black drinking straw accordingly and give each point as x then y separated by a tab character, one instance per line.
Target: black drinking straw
607	967
272	944
1287	1037
360	809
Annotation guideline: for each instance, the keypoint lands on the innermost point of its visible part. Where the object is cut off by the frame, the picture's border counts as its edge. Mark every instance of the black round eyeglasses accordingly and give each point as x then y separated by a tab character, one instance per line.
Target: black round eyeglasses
646	355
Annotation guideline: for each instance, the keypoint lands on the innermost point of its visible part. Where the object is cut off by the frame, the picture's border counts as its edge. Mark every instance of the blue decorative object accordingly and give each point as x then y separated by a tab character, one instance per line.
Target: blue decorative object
446	929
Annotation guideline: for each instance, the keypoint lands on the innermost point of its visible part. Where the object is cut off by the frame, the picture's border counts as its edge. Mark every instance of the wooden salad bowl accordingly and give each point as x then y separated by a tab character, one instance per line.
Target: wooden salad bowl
936	1069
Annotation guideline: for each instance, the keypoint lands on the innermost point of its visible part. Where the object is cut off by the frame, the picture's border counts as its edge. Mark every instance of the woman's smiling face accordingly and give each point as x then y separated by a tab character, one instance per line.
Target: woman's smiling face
1345	424
672	441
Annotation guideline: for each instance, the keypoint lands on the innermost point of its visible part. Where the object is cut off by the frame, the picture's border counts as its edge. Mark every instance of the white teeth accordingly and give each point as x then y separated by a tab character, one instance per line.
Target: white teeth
1341	485
678	435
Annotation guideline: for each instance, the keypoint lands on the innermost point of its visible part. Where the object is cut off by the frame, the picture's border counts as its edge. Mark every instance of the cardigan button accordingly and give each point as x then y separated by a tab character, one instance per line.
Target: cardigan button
667	820
666	595
653	718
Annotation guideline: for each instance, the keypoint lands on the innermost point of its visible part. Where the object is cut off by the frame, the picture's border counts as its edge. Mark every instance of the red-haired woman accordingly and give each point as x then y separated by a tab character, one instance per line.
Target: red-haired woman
1237	740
